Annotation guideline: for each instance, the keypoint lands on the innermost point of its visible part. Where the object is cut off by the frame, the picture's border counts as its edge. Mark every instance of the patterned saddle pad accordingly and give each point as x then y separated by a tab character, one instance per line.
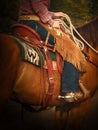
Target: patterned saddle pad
33	55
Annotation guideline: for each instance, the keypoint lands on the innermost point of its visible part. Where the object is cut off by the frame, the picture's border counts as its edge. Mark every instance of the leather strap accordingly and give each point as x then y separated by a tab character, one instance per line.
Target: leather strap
59	63
29	17
50	75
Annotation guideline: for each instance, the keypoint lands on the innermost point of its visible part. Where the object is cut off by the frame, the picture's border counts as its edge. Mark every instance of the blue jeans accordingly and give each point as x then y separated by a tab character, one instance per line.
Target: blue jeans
70	75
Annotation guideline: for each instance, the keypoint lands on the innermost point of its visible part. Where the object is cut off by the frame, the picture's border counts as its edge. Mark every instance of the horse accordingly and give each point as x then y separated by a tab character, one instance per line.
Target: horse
30	83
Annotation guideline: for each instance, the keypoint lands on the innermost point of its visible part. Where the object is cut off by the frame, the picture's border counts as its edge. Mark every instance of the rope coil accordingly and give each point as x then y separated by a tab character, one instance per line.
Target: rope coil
71	29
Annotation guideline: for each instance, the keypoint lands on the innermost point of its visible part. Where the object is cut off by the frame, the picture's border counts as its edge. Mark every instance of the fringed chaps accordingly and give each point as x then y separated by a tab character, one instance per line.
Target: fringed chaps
68	49
70	52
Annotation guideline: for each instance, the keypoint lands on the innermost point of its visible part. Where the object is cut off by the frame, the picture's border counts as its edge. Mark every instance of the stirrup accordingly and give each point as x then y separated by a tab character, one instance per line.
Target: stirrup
72	97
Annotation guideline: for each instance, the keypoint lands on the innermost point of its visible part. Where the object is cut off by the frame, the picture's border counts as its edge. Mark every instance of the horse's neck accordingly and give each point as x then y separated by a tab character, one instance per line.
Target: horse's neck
89	33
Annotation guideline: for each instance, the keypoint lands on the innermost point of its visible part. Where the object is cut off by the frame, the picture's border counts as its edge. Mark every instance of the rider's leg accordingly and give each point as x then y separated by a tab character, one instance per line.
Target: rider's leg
70	82
70	77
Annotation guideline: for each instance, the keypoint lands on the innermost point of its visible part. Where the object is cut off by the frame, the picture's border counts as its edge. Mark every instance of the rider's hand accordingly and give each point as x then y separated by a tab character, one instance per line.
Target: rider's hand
56	24
59	15
53	23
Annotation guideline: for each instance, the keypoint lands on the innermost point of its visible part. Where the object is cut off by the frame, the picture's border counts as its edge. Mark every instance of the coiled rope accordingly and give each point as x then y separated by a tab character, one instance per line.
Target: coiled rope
70	29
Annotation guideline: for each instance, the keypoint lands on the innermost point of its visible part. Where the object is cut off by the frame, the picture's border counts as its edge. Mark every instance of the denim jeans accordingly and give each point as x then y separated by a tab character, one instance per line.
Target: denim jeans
70	75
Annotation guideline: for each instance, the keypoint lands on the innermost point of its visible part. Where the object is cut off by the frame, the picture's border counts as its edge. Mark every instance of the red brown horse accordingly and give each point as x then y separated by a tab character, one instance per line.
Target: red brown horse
30	82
